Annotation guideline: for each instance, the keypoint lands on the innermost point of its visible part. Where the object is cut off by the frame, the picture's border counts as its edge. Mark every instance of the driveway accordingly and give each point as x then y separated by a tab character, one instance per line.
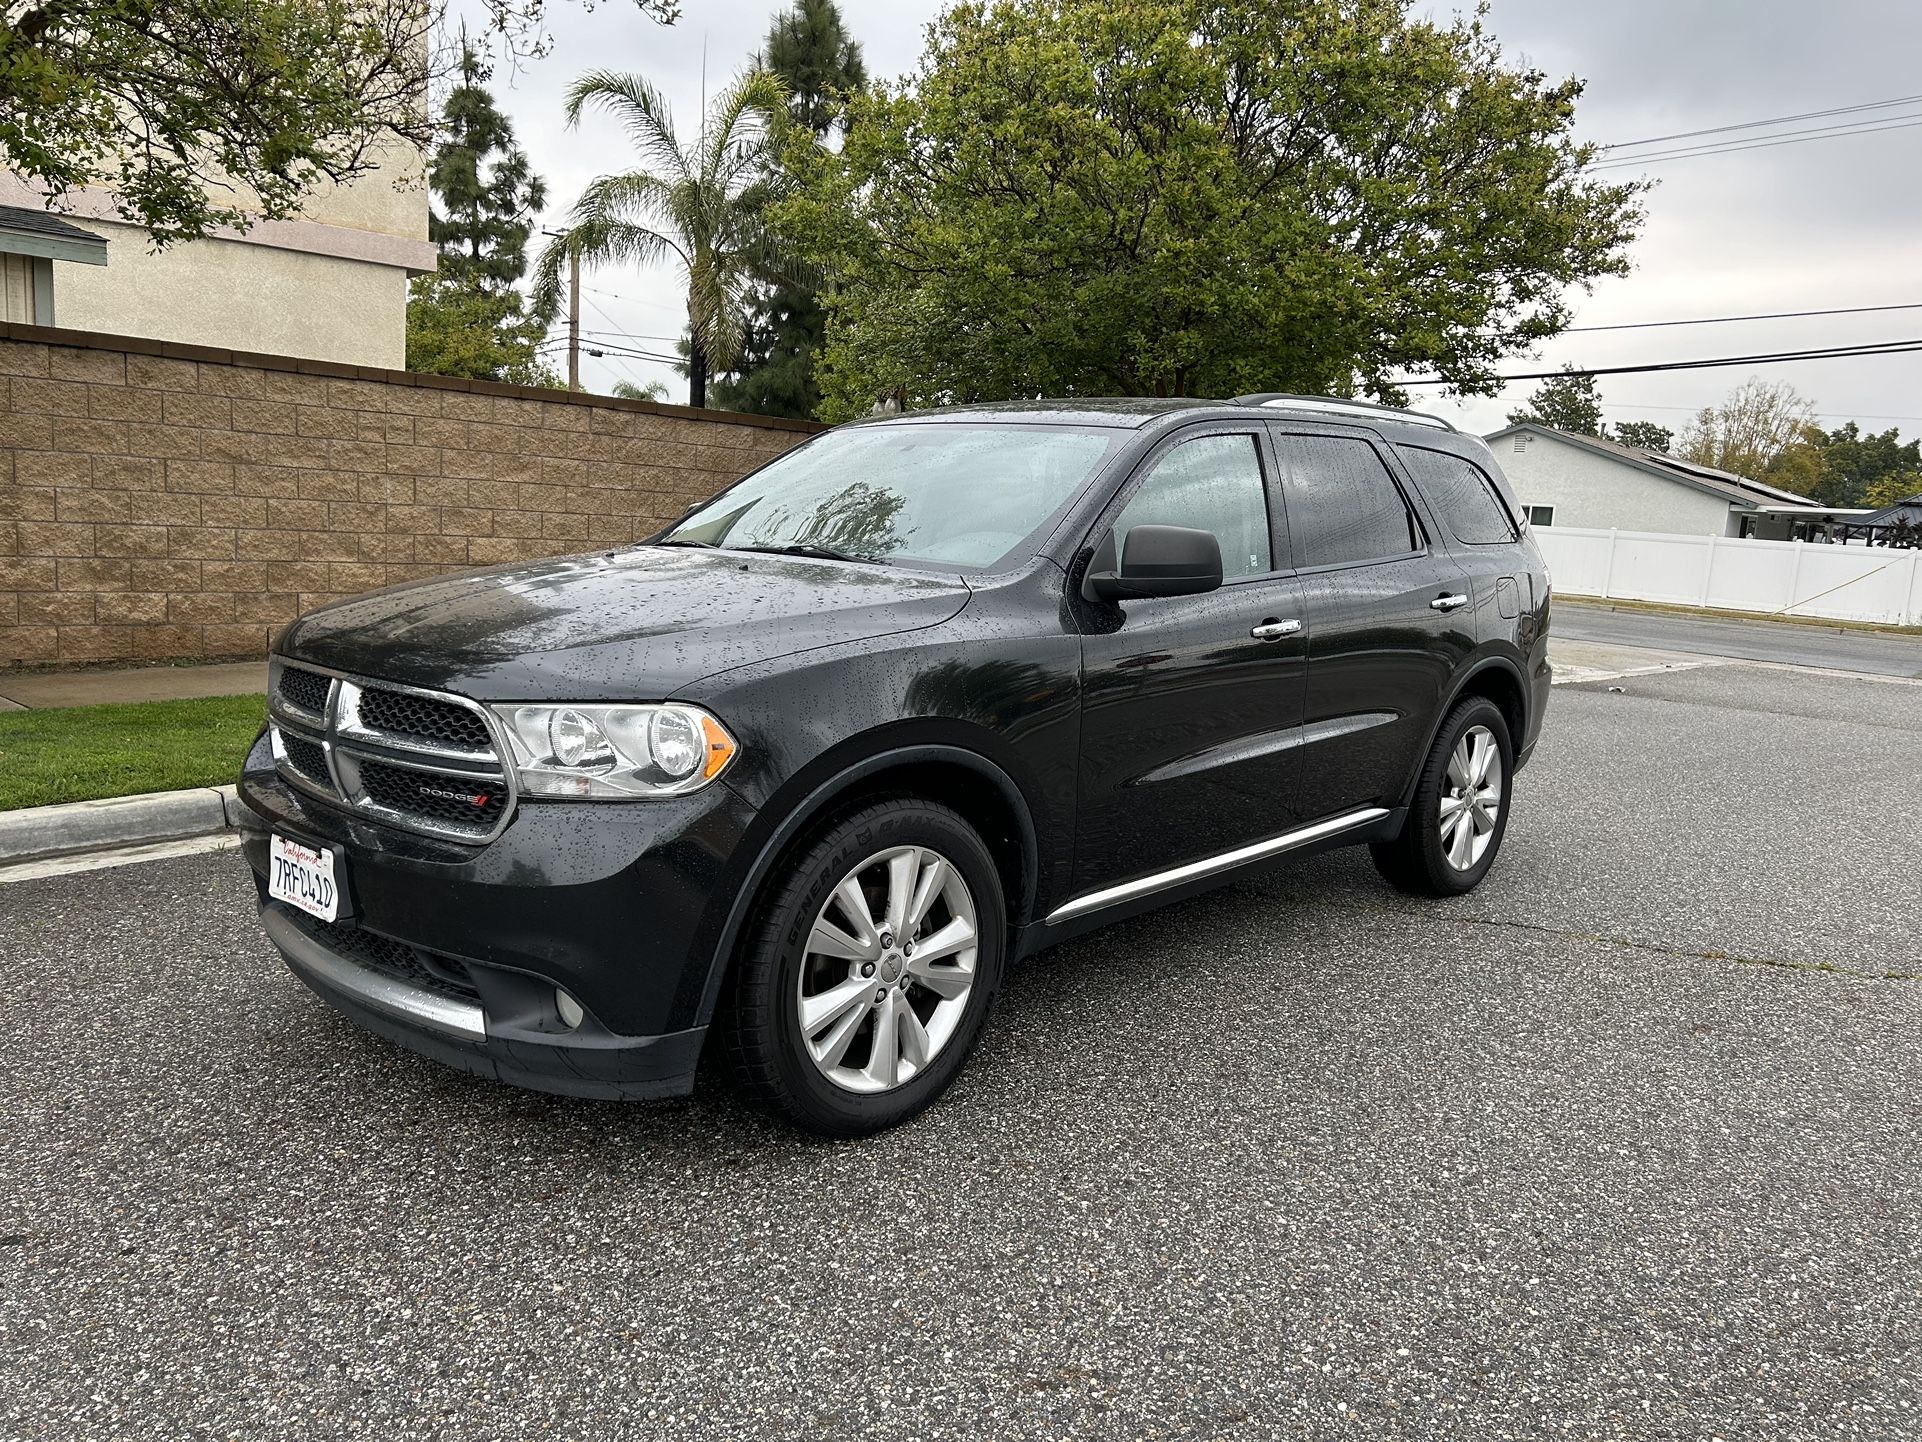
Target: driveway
1623	1145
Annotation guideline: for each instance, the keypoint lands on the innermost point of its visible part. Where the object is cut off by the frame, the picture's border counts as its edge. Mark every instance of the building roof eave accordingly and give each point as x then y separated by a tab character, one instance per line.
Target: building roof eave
48	237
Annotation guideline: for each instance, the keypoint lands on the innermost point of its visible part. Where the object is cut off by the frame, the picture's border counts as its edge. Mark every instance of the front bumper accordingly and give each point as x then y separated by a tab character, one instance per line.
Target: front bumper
455	951
456	1032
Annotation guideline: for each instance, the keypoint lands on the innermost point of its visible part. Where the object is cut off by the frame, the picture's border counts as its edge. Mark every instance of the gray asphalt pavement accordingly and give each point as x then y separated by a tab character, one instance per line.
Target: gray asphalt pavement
1624	1145
1787	643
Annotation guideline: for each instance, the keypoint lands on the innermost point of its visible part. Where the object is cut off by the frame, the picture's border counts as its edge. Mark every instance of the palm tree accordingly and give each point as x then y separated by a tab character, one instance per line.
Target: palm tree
697	205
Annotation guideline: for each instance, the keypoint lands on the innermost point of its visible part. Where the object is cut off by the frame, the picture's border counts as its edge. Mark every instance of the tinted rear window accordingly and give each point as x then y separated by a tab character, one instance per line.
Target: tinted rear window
1343	506
1461	494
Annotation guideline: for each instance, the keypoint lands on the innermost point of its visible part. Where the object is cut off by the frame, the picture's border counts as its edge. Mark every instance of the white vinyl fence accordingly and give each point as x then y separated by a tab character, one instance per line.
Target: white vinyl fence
1792	578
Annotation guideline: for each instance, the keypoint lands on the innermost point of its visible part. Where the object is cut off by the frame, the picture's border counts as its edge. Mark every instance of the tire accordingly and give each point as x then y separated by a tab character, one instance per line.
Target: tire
1418	861
809	1045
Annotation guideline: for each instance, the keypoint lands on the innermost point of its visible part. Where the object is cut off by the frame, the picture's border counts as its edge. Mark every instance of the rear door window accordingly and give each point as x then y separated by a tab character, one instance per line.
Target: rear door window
1344	507
1461	495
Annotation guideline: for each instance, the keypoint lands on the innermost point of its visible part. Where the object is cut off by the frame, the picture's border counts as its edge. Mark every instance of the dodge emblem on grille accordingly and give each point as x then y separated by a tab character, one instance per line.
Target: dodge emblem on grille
469	797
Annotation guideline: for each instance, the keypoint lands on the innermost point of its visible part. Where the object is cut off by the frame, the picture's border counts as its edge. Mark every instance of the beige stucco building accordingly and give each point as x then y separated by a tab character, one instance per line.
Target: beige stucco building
331	285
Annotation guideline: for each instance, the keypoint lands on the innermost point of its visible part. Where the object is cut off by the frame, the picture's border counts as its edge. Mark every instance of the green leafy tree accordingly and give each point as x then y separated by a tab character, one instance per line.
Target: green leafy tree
1857	467
1199	197
651	391
810	52
456	327
694	205
485	191
1893	490
1644	436
202	113
1568	402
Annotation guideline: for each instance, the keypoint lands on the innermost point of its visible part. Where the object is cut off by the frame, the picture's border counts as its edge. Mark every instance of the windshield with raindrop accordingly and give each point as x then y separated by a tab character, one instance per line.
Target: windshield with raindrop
948	494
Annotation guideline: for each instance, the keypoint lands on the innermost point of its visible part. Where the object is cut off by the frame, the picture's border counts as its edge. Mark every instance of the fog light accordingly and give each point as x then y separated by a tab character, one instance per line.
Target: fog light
569	1008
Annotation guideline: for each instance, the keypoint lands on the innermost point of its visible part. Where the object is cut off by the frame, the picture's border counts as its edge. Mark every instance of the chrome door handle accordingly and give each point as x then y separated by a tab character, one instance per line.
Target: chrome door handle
1449	603
1275	630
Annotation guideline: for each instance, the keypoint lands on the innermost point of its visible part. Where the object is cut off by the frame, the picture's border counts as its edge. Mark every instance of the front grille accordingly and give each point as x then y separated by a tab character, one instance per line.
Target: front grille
305	690
410	964
417	760
448	797
306	757
423	719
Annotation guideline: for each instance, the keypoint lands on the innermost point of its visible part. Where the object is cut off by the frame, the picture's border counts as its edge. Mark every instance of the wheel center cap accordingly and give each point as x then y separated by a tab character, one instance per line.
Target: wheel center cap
891	964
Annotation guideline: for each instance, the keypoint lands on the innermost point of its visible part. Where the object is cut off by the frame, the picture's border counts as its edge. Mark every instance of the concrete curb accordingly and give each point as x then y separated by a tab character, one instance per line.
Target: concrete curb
42	831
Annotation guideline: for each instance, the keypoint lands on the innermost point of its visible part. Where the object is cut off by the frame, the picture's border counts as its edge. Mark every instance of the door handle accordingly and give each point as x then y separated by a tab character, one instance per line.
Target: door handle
1448	603
1275	630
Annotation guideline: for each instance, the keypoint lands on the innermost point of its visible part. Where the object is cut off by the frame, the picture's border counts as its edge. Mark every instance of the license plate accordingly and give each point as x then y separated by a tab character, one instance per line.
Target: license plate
303	876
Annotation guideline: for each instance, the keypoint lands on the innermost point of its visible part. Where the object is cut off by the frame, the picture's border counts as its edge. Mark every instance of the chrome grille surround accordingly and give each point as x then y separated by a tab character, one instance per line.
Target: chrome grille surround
348	742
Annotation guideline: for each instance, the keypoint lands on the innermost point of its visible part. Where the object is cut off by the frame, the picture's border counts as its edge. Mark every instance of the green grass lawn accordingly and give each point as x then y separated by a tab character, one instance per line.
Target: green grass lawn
81	753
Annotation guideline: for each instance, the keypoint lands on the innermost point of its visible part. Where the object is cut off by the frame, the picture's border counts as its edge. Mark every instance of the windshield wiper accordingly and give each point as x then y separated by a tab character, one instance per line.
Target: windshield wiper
704	545
822	553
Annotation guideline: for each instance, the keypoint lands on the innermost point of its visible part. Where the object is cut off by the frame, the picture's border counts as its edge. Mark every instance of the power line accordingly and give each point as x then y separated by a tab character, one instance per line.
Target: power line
1904	124
1900	347
631	300
1758	124
1727	319
612	348
629	334
1692	410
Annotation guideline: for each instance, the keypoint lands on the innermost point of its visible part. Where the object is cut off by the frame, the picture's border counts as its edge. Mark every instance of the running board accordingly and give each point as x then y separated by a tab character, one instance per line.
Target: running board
1212	865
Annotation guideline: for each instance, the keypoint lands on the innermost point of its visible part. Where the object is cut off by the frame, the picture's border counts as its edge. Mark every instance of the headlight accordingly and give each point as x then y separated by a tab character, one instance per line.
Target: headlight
615	752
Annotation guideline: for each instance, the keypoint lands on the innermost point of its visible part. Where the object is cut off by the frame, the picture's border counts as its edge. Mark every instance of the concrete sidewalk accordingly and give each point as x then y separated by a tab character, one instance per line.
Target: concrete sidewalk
36	690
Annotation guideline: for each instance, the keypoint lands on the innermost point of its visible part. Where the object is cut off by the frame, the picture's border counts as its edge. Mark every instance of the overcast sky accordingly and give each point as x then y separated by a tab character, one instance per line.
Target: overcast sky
1827	223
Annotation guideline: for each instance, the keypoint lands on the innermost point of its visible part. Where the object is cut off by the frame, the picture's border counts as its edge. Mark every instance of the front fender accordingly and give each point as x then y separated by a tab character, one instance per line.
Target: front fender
813	795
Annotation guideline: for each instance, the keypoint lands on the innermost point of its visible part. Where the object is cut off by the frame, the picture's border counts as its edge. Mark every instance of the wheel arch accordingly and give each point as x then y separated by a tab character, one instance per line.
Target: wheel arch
967	781
1495	676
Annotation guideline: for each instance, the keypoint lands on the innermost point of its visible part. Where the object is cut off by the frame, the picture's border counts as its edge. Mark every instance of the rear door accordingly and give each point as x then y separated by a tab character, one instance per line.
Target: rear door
1190	703
1486	542
1388	616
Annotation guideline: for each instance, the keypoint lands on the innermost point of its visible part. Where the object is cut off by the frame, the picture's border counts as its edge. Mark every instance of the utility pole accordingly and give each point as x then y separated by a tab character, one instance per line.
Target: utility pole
573	319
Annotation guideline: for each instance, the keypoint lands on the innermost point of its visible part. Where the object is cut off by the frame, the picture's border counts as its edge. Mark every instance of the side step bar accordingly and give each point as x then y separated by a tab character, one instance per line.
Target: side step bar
1211	865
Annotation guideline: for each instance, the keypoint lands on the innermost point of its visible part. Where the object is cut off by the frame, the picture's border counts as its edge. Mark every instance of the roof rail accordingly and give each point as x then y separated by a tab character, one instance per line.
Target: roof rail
1281	400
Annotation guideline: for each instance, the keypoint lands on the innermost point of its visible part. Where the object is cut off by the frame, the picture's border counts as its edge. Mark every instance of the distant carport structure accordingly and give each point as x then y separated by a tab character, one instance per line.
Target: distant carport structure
1896	525
30	242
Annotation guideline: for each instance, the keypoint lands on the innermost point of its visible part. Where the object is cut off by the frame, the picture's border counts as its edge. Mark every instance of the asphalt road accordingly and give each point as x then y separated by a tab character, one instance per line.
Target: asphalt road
1787	643
1623	1145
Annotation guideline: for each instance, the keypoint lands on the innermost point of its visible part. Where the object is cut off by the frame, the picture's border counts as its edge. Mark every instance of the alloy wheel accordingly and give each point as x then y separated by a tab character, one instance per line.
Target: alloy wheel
887	971
1471	798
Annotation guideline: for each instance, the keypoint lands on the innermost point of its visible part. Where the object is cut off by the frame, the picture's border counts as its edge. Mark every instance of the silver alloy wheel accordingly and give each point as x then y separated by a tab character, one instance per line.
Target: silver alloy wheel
887	971
1471	799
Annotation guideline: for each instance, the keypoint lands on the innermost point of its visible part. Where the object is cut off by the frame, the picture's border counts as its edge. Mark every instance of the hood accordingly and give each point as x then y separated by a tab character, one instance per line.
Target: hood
634	625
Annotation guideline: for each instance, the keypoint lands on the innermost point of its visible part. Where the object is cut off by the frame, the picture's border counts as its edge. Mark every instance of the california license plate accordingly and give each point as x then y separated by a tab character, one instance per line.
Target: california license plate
303	876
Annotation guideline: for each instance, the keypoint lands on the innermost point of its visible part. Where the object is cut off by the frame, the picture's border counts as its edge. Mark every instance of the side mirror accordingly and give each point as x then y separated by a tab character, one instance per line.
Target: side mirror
1156	561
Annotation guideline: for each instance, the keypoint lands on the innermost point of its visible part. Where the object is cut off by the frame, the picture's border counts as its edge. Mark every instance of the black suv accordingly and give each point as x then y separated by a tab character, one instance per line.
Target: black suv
808	769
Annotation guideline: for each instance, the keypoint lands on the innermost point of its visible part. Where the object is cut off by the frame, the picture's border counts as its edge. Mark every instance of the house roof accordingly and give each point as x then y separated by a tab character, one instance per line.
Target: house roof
1738	490
1909	510
35	232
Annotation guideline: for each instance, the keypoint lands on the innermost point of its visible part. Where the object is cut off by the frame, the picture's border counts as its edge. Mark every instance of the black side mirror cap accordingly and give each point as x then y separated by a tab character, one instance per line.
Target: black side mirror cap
1156	561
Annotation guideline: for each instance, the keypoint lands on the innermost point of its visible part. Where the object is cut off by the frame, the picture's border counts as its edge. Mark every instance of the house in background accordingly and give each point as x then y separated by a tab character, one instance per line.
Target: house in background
1896	525
31	243
1563	479
330	286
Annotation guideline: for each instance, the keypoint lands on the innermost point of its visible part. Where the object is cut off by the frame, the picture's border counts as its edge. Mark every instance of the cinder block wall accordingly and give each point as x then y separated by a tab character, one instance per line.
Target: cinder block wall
162	501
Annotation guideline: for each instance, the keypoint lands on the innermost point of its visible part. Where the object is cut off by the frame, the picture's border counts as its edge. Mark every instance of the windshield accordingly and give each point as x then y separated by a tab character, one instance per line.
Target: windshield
968	497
